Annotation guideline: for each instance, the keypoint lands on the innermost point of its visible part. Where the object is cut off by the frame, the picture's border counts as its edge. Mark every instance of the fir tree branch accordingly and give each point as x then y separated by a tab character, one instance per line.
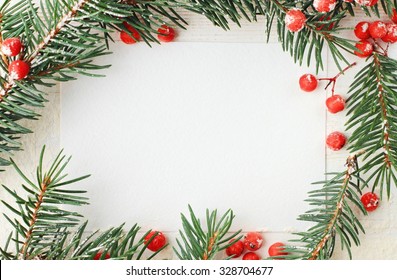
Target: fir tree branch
44	230
34	216
69	34
62	38
52	34
385	118
41	219
200	243
373	120
330	229
332	216
320	30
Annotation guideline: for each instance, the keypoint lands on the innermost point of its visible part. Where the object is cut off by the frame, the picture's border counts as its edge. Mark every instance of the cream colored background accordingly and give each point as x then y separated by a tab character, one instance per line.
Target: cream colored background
380	241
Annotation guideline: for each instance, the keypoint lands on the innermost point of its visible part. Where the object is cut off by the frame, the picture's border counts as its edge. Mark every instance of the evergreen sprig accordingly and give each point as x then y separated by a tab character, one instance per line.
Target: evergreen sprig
332	215
45	229
61	38
373	120
200	242
320	30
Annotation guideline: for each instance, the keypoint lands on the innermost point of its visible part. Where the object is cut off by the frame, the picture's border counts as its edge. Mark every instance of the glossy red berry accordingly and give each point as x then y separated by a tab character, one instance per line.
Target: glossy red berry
126	37
365	49
235	250
336	141
295	20
362	30
166	34
377	29
335	103
253	241
250	256
18	69
98	256
324	6
308	82
157	242
394	16
11	46
277	250
391	36
370	201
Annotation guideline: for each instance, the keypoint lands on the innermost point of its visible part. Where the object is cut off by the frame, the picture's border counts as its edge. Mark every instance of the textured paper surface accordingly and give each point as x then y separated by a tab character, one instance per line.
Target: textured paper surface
211	125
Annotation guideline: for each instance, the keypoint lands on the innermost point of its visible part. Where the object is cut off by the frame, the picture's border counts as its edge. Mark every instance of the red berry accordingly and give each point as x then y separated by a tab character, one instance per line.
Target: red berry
166	34
18	69
370	201
336	141
253	241
367	3
324	6
308	82
335	103
377	29
362	30
277	250
391	36
394	16
157	242
250	256
98	256
365	49
295	20
11	46
126	37
236	249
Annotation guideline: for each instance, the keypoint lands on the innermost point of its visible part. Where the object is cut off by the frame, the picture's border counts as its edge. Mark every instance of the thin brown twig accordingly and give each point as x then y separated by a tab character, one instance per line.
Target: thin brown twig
379	46
33	220
333	80
386	123
57	68
210	246
351	167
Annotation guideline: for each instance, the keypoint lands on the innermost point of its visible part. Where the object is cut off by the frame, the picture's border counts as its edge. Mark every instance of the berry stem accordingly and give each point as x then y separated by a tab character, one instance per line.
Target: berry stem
330	230
384	50
333	80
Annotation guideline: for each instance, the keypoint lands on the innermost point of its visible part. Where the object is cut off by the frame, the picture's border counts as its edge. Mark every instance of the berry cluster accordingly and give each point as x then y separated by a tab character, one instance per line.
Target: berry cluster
18	69
253	241
335	104
295	19
372	34
165	34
